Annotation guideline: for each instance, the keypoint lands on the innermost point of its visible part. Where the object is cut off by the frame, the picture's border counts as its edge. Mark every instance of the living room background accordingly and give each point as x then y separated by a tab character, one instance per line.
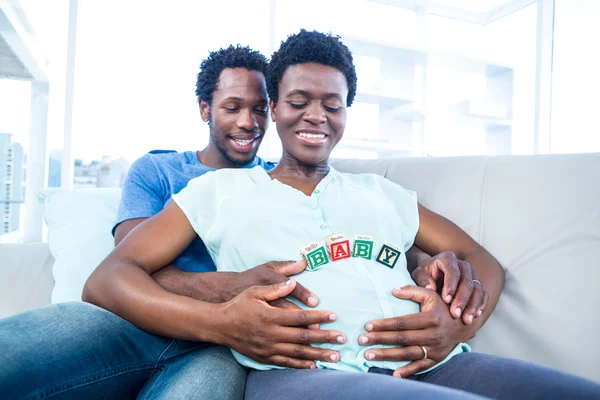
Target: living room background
436	78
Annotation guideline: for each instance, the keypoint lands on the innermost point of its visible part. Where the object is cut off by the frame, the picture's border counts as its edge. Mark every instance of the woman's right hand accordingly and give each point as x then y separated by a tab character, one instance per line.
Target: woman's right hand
271	335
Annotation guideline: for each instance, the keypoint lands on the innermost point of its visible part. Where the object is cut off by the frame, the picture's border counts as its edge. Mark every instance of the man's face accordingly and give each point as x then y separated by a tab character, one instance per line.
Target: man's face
238	114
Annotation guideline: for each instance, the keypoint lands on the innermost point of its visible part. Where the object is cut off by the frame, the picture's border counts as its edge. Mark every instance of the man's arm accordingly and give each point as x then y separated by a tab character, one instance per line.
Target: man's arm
122	284
414	257
219	287
208	286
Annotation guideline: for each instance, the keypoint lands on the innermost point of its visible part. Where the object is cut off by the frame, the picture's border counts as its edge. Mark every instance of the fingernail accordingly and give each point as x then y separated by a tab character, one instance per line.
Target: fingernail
398	289
312	301
369	327
479	313
428	287
313	366
397	375
364	339
288	281
470	318
332	317
340	339
458	311
370	356
333	357
448	299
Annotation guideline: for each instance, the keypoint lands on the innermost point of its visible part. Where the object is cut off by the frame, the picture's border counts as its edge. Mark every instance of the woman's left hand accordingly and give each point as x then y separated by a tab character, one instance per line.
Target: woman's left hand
458	282
433	328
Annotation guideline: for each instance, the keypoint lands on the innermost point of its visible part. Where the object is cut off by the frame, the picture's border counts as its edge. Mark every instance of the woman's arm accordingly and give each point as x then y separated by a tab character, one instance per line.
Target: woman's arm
437	234
122	284
433	327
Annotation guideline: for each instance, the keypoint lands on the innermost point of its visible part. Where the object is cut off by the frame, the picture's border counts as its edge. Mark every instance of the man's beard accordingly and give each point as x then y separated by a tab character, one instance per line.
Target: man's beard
223	151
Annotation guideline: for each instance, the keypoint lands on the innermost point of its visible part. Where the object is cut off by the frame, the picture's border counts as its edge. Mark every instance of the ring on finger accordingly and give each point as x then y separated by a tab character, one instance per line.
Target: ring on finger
477	281
424	353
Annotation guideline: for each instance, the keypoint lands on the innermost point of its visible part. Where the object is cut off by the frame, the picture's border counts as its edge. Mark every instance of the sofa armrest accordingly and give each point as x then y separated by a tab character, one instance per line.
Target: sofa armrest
26	280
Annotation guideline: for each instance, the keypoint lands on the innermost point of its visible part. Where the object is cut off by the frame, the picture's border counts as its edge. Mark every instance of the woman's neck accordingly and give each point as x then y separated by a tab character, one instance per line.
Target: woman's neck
298	175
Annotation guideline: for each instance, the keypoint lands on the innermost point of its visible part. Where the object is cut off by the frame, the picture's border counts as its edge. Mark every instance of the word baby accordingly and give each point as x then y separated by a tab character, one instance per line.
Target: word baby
337	247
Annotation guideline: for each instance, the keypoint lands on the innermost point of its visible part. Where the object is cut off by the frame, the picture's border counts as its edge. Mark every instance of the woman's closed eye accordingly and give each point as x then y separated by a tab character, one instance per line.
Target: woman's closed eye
297	105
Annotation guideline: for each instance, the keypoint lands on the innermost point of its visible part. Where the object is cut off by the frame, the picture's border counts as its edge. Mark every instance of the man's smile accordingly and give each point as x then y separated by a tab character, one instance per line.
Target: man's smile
244	143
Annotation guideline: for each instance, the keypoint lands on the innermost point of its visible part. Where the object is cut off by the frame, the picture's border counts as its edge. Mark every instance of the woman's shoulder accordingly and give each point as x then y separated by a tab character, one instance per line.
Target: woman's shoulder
362	179
372	181
226	182
227	176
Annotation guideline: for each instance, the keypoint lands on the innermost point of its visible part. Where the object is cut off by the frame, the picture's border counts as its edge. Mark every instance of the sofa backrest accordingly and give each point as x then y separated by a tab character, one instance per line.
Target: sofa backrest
540	217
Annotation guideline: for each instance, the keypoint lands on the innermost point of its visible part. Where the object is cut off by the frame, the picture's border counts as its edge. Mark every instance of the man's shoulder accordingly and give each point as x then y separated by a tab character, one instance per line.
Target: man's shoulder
155	159
169	156
267	165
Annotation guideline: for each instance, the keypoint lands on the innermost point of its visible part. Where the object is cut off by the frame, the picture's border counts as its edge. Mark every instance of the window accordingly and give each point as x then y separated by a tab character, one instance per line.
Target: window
455	78
575	81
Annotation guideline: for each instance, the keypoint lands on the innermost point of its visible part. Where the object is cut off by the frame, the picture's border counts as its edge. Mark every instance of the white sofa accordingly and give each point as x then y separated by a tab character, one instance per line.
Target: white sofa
538	215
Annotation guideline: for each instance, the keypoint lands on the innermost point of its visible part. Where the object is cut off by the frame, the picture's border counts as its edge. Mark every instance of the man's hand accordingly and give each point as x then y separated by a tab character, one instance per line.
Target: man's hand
433	328
458	282
269	335
277	272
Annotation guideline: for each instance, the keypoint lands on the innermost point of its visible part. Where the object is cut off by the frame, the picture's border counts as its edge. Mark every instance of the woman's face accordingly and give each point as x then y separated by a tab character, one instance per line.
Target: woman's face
310	114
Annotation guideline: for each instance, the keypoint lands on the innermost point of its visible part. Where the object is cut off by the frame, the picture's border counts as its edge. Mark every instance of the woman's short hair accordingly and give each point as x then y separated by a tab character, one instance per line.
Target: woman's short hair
315	47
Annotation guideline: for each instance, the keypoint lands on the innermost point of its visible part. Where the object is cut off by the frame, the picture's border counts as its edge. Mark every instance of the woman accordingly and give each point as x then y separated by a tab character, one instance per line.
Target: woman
247	217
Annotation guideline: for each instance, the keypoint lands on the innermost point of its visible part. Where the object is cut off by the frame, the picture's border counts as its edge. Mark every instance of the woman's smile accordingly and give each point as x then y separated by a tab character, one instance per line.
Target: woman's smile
312	137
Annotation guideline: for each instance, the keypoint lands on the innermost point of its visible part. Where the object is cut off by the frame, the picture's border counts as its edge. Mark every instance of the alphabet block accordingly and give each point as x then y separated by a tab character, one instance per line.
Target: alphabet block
315	256
363	246
388	255
338	246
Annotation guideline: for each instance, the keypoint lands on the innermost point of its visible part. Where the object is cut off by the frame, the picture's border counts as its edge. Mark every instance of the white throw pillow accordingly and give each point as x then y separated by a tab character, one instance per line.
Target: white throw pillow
79	235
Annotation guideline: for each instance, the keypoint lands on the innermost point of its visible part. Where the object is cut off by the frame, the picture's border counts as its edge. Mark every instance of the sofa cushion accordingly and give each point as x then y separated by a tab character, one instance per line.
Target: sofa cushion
539	216
26	277
79	224
541	219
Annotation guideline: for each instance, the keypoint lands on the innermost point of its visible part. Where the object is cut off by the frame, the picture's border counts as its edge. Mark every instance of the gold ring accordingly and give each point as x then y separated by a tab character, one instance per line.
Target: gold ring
424	353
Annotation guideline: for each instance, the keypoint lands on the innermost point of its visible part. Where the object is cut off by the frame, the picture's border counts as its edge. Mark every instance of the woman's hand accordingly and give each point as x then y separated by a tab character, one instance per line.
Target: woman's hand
433	328
458	283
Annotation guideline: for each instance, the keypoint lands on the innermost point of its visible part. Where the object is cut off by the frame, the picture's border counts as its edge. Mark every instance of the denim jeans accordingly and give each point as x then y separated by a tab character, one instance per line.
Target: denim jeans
80	351
466	376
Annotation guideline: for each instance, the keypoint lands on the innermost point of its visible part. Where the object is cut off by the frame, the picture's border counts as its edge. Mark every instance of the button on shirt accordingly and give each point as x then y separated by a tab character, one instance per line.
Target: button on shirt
245	218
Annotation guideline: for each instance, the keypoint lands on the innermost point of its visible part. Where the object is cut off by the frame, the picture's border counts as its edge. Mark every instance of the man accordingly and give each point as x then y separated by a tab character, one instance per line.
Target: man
81	351
76	350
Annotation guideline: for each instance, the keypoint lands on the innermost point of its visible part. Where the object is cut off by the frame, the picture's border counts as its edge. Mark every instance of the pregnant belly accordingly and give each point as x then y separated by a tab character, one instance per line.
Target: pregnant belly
356	295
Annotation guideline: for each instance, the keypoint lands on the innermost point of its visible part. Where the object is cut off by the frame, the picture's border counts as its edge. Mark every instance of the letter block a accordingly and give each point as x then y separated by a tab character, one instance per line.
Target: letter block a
338	246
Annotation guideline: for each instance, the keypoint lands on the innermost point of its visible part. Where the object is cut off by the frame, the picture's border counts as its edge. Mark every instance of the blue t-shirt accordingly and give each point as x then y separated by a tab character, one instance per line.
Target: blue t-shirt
149	185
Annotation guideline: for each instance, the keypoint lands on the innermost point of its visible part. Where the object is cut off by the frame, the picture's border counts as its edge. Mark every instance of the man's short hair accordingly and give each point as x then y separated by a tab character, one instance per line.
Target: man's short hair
231	57
316	47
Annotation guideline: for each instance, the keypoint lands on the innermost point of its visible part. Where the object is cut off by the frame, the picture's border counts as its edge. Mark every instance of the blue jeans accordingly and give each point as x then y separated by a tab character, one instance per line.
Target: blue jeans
80	351
466	376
